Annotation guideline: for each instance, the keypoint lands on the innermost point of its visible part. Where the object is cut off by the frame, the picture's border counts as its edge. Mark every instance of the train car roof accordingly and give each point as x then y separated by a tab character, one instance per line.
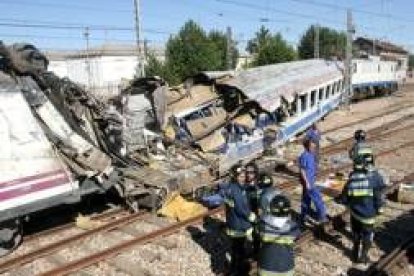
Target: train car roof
268	84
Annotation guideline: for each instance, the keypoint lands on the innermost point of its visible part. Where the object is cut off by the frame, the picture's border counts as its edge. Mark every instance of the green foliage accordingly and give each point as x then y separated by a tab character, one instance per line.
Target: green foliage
192	51
331	43
220	41
269	48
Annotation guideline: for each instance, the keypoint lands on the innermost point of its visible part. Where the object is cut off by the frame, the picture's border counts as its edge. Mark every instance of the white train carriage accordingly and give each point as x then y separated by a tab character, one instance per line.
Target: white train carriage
375	77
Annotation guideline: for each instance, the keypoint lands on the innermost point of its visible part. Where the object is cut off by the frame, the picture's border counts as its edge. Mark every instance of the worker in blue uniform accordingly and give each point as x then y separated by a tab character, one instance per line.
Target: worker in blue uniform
239	219
277	234
360	146
377	181
314	135
358	194
310	194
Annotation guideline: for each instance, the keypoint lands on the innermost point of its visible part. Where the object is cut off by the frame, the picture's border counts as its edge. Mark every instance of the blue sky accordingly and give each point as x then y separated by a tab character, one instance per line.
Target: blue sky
59	24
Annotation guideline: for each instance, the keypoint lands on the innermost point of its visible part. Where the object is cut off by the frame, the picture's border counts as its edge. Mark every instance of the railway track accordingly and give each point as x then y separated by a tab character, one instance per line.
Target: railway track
395	262
138	239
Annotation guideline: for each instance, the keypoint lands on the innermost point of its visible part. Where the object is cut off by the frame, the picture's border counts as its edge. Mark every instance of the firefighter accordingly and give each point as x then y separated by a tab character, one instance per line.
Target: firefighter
310	194
358	194
377	181
360	146
277	234
239	219
314	135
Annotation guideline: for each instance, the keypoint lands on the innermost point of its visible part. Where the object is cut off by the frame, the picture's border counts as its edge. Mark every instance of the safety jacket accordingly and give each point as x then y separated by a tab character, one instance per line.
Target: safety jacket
360	148
239	217
377	181
359	195
277	237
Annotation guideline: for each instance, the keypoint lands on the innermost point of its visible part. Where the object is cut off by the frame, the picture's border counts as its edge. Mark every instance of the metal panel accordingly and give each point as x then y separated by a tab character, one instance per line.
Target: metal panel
268	84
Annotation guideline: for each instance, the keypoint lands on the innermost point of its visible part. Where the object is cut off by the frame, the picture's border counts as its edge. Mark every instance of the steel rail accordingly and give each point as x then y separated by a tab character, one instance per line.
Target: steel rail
70	225
387	112
76	265
50	248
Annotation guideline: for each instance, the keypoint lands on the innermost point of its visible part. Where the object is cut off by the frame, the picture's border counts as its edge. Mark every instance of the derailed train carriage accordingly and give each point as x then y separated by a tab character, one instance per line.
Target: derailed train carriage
234	116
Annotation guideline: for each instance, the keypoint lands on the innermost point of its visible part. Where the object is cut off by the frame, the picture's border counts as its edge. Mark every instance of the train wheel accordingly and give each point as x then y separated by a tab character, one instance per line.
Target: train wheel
10	236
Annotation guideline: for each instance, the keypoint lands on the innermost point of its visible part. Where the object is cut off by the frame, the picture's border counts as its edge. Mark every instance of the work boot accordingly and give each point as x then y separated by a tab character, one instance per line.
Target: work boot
366	245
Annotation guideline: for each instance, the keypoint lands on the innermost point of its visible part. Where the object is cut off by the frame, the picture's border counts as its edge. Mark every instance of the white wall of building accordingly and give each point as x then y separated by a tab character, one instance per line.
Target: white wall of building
105	73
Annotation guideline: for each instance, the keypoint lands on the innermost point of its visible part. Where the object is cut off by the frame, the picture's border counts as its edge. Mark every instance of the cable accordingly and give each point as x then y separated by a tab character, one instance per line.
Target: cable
75	27
336	7
65	6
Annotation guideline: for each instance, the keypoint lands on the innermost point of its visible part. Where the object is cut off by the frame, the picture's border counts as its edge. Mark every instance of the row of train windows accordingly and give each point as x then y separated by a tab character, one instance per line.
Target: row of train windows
393	68
319	95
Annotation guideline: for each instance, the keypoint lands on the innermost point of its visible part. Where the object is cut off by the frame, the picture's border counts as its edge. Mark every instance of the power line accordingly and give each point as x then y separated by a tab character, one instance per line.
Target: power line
366	12
49	5
79	27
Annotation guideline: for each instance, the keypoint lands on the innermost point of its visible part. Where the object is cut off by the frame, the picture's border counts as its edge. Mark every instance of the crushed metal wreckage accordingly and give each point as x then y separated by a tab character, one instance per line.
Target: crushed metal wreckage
232	116
59	142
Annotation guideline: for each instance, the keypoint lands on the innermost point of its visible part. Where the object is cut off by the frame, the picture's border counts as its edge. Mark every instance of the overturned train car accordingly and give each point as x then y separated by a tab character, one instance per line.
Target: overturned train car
233	116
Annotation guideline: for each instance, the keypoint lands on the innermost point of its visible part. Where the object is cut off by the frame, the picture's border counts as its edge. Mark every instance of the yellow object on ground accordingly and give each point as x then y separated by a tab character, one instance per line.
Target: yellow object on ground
180	209
86	223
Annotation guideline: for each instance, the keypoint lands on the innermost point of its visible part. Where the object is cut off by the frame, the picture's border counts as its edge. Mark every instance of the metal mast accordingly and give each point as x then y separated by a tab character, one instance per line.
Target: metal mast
140	70
316	42
229	50
88	65
348	58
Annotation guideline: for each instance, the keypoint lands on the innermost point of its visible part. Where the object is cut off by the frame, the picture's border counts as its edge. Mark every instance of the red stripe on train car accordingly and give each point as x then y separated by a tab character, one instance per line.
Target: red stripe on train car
36	187
30	178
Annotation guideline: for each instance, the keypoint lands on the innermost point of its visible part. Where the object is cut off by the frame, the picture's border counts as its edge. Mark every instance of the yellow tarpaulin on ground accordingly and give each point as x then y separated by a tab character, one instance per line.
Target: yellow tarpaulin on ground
180	209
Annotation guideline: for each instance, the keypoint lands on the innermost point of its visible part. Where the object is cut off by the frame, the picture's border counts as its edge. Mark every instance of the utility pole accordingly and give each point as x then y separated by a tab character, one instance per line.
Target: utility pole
88	65
229	50
348	58
140	69
316	42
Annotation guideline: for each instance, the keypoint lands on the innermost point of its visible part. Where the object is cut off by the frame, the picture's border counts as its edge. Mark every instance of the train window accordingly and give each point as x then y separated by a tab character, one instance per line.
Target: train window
327	92
355	68
320	96
333	88
313	98
303	102
379	68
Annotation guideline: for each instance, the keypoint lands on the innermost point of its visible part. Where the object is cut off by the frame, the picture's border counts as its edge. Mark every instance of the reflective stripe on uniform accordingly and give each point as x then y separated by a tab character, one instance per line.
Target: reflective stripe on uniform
263	272
360	192
229	202
252	217
239	234
364	150
286	240
363	220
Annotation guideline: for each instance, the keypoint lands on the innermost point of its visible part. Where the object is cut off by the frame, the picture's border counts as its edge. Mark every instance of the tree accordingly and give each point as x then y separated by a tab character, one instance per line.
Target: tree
269	48
190	52
220	40
331	43
154	67
411	61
